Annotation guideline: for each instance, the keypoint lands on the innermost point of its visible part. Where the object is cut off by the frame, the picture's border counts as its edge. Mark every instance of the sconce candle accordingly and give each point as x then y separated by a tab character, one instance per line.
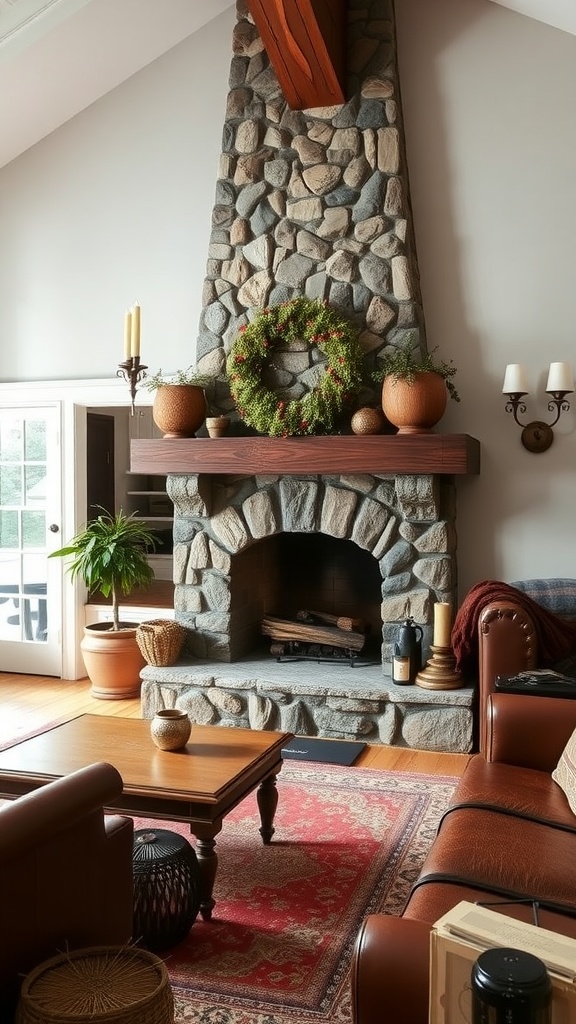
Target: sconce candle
515	380
560	378
135	331
442	624
127	334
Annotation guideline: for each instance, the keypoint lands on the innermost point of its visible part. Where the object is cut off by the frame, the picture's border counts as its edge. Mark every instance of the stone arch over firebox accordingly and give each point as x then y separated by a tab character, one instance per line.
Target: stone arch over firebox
406	523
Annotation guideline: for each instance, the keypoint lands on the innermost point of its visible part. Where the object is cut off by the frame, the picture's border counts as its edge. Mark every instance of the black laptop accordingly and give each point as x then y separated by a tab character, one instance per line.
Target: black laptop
543	682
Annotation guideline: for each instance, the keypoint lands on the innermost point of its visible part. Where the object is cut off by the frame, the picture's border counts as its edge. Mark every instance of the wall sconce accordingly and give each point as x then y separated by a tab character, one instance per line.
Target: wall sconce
538	436
133	371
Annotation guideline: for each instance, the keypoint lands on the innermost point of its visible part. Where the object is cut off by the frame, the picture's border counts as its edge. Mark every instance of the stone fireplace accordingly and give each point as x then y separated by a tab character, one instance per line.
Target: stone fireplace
315	203
361	545
375	544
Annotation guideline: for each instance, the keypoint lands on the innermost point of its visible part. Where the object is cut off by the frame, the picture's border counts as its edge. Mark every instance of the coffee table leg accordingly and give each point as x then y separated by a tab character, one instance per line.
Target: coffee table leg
267	797
208	865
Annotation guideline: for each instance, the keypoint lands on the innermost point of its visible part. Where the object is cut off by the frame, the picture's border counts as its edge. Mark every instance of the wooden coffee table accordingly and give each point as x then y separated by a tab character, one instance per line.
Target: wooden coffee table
200	784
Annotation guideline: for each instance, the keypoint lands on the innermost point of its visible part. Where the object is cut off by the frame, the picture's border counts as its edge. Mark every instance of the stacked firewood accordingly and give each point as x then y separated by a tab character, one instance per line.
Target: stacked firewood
314	629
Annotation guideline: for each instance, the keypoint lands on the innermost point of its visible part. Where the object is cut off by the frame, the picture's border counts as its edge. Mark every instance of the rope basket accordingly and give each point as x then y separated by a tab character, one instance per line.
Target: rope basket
160	641
99	985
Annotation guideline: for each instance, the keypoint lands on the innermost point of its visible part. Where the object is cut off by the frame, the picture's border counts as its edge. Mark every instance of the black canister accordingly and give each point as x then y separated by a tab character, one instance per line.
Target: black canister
407	655
510	986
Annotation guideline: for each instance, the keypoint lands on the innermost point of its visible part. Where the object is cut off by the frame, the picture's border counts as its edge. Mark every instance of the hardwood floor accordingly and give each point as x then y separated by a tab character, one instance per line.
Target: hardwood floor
29	702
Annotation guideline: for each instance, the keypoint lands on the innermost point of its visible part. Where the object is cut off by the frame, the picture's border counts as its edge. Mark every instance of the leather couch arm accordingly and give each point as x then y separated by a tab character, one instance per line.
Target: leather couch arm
390	969
34	817
528	731
507	644
65	874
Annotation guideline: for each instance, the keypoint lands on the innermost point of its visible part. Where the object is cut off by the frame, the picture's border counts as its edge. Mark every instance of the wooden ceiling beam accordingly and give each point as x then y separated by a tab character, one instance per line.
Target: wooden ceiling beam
305	41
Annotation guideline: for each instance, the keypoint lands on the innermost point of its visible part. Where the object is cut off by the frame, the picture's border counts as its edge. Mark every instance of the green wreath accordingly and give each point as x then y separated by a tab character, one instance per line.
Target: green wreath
316	412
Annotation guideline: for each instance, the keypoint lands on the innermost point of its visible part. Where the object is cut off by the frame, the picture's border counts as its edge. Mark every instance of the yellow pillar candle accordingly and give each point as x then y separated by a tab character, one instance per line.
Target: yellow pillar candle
135	331
127	334
442	624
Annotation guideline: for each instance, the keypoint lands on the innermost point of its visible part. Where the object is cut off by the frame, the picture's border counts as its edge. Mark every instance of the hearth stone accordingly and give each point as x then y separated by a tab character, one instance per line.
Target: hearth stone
313	699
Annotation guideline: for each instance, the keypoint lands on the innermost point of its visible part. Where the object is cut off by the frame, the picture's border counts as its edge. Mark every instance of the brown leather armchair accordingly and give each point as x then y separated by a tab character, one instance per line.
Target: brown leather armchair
65	874
509	834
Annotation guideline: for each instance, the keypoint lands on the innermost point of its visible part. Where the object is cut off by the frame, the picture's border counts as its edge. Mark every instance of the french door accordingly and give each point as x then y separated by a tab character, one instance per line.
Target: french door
30	511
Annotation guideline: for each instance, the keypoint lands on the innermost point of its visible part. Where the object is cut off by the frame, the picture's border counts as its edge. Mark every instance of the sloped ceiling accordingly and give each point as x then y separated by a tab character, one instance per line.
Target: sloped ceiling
558	13
59	56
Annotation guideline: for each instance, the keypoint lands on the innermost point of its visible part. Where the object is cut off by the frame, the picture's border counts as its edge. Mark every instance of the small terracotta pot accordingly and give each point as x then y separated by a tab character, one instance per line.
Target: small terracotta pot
179	409
217	425
170	729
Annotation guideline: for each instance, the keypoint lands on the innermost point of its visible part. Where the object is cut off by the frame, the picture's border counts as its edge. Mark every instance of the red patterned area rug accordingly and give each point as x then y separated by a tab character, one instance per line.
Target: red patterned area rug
348	842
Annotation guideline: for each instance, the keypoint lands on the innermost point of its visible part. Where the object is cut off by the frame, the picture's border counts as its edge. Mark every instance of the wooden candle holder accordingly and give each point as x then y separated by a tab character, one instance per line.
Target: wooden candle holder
440	672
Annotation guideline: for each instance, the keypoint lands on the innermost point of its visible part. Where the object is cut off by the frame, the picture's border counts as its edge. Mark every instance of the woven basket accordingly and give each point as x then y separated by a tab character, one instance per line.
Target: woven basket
160	641
98	985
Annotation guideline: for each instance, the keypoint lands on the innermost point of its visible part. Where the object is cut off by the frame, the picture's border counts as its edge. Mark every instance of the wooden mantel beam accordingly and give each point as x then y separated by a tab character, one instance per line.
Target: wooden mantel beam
305	41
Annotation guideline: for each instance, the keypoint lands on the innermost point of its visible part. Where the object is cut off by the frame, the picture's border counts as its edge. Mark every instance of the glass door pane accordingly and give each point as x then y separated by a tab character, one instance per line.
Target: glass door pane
29	493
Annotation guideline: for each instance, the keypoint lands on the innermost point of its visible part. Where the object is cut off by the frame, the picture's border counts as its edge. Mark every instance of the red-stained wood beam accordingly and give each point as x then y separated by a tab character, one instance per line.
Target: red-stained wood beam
305	41
454	454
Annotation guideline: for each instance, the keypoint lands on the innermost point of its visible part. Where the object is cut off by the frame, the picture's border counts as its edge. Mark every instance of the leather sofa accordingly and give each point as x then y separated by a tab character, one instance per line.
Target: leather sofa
508	834
65	874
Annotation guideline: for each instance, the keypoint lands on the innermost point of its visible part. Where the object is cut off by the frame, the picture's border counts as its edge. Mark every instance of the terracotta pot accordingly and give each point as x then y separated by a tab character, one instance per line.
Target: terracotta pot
217	425
113	660
179	409
414	407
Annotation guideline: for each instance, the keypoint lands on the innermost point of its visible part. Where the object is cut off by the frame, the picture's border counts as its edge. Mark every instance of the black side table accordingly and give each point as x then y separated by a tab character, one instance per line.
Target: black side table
166	888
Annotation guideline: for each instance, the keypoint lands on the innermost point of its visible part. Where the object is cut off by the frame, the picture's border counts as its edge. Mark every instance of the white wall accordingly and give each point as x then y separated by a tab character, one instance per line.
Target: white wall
115	207
489	99
111	209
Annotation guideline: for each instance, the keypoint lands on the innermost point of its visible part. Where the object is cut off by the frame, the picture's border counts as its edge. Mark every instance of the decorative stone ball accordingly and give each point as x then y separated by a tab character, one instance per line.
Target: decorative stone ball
367	421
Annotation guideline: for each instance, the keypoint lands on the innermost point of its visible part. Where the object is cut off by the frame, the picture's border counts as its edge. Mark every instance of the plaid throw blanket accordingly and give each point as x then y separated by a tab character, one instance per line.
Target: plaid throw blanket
556	636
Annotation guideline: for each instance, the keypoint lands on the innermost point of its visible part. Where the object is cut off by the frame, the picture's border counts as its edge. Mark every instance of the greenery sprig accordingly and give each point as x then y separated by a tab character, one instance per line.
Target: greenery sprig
405	363
319	326
188	376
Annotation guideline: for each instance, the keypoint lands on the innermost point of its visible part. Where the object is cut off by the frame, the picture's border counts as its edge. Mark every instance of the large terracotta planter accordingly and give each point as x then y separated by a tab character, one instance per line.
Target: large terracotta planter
113	660
414	407
179	409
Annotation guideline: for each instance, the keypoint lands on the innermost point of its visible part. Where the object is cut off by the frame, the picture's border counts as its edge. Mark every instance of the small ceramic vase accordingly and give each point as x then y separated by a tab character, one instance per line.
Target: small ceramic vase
170	729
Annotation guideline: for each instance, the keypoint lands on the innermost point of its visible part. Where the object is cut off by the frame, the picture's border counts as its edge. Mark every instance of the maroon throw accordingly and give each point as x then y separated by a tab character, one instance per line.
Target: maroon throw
556	636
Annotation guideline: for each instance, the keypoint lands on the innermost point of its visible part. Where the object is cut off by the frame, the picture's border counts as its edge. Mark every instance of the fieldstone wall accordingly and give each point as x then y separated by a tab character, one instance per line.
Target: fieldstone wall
315	203
312	202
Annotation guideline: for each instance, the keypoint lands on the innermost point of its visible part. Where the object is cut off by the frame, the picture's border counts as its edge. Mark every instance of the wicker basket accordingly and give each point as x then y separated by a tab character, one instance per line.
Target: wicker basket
98	985
160	641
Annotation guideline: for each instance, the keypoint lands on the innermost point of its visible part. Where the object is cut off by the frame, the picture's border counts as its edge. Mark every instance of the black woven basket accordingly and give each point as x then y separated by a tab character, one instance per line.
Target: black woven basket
166	888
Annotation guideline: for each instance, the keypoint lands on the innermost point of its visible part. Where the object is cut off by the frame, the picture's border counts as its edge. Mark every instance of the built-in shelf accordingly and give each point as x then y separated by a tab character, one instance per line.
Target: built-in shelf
398	454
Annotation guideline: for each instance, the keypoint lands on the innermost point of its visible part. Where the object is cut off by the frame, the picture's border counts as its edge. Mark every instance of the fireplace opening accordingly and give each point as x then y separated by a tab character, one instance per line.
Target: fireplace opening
290	572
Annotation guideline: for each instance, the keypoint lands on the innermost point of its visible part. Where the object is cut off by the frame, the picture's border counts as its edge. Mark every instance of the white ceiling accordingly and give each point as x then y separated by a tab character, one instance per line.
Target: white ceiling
58	56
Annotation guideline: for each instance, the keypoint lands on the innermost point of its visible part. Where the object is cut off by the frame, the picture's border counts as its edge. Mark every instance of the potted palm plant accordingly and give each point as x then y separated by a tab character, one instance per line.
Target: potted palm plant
110	554
415	389
179	406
